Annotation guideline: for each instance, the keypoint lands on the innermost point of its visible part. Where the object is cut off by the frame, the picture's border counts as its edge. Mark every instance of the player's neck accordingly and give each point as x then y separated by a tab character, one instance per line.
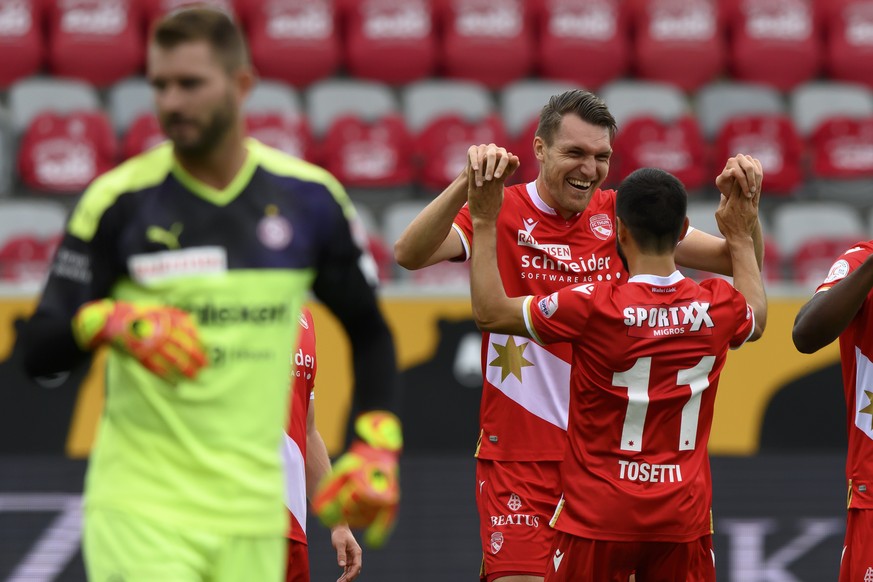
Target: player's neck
658	265
219	166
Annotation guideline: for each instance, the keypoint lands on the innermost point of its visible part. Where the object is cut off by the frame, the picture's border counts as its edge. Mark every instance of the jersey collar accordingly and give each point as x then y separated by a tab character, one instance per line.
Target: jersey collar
656	280
214	195
537	201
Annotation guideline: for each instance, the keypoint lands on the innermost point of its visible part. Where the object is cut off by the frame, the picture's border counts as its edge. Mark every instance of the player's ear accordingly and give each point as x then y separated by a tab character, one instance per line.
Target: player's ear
244	79
539	147
620	231
684	230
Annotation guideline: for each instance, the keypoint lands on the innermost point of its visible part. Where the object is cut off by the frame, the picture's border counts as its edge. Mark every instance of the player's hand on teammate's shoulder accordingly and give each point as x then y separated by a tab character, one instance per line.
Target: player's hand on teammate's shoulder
491	162
742	174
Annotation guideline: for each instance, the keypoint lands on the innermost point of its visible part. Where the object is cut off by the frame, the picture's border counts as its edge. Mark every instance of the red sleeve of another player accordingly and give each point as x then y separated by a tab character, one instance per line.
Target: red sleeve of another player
845	264
740	312
463	224
562	315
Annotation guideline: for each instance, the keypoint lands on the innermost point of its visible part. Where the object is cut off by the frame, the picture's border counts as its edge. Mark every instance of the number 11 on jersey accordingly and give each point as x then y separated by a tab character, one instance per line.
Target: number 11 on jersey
636	380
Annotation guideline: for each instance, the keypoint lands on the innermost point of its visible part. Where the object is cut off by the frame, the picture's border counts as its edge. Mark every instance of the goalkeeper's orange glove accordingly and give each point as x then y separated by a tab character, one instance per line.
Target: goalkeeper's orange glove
163	339
364	488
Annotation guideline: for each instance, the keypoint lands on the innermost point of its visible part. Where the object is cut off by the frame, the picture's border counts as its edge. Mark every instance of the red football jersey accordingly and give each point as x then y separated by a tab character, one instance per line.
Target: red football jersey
525	398
303	364
856	357
646	361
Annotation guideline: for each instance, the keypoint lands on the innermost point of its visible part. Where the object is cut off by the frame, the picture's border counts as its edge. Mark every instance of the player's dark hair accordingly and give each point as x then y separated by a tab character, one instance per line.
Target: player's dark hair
588	106
652	204
203	23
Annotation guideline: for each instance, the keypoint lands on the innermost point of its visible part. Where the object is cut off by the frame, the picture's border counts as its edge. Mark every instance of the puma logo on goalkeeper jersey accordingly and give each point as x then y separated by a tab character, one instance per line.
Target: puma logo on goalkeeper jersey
168	238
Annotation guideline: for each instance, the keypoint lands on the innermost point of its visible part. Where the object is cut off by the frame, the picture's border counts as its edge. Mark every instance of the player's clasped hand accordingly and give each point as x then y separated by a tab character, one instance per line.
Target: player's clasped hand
163	339
364	488
742	174
489	162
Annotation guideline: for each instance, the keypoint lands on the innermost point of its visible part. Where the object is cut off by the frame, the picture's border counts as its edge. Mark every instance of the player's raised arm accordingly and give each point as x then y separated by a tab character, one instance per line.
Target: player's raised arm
742	176
737	218
429	238
492	309
828	313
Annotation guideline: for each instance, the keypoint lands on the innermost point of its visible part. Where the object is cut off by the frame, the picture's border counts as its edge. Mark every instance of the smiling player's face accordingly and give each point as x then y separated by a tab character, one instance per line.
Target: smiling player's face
194	96
574	165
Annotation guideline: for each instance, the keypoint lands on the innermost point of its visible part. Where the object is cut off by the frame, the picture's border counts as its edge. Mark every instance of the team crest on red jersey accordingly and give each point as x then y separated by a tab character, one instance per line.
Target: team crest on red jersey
496	542
601	226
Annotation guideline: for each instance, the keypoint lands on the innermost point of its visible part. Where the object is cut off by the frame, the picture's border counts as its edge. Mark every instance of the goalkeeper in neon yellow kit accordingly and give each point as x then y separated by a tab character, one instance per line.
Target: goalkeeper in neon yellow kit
190	262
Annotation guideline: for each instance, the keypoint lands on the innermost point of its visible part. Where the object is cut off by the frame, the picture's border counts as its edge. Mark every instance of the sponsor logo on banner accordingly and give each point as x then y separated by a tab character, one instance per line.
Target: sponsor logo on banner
496	542
601	226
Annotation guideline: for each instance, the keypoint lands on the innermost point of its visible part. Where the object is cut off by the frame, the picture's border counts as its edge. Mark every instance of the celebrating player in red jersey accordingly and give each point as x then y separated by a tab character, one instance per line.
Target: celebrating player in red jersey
843	307
306	462
645	367
556	231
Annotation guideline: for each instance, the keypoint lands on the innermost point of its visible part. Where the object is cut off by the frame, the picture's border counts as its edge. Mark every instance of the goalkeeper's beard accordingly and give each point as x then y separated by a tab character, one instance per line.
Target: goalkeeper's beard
210	133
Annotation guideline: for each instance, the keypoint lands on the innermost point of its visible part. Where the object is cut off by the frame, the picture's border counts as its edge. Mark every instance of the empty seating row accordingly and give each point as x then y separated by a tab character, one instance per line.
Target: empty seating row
802	239
590	42
819	138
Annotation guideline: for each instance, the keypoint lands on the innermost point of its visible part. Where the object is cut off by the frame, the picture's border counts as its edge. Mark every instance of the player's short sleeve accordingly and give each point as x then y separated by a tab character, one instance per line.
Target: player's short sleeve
739	312
850	260
560	316
463	225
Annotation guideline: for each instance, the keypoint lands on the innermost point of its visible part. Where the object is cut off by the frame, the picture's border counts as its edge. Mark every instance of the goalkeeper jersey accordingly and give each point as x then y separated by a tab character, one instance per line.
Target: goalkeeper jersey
203	453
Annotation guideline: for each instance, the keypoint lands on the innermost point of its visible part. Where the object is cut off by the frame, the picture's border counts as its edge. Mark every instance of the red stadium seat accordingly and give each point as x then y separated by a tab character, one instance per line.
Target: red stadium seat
678	41
393	41
488	41
296	41
144	133
849	36
21	39
365	155
289	133
812	260
842	148
676	147
23	259
63	153
99	41
593	30
773	42
770	138
441	147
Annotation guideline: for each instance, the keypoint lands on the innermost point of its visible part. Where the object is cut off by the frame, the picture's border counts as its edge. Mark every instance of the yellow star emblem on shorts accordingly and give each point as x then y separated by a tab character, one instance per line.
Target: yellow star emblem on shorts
510	358
869	408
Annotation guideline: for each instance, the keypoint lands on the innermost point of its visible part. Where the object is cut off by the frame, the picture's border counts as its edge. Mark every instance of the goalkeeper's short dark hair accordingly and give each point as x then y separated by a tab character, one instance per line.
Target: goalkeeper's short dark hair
203	23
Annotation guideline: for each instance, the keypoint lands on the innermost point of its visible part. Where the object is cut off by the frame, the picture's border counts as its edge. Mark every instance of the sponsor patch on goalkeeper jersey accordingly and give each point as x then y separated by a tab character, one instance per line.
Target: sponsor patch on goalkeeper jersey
153	268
